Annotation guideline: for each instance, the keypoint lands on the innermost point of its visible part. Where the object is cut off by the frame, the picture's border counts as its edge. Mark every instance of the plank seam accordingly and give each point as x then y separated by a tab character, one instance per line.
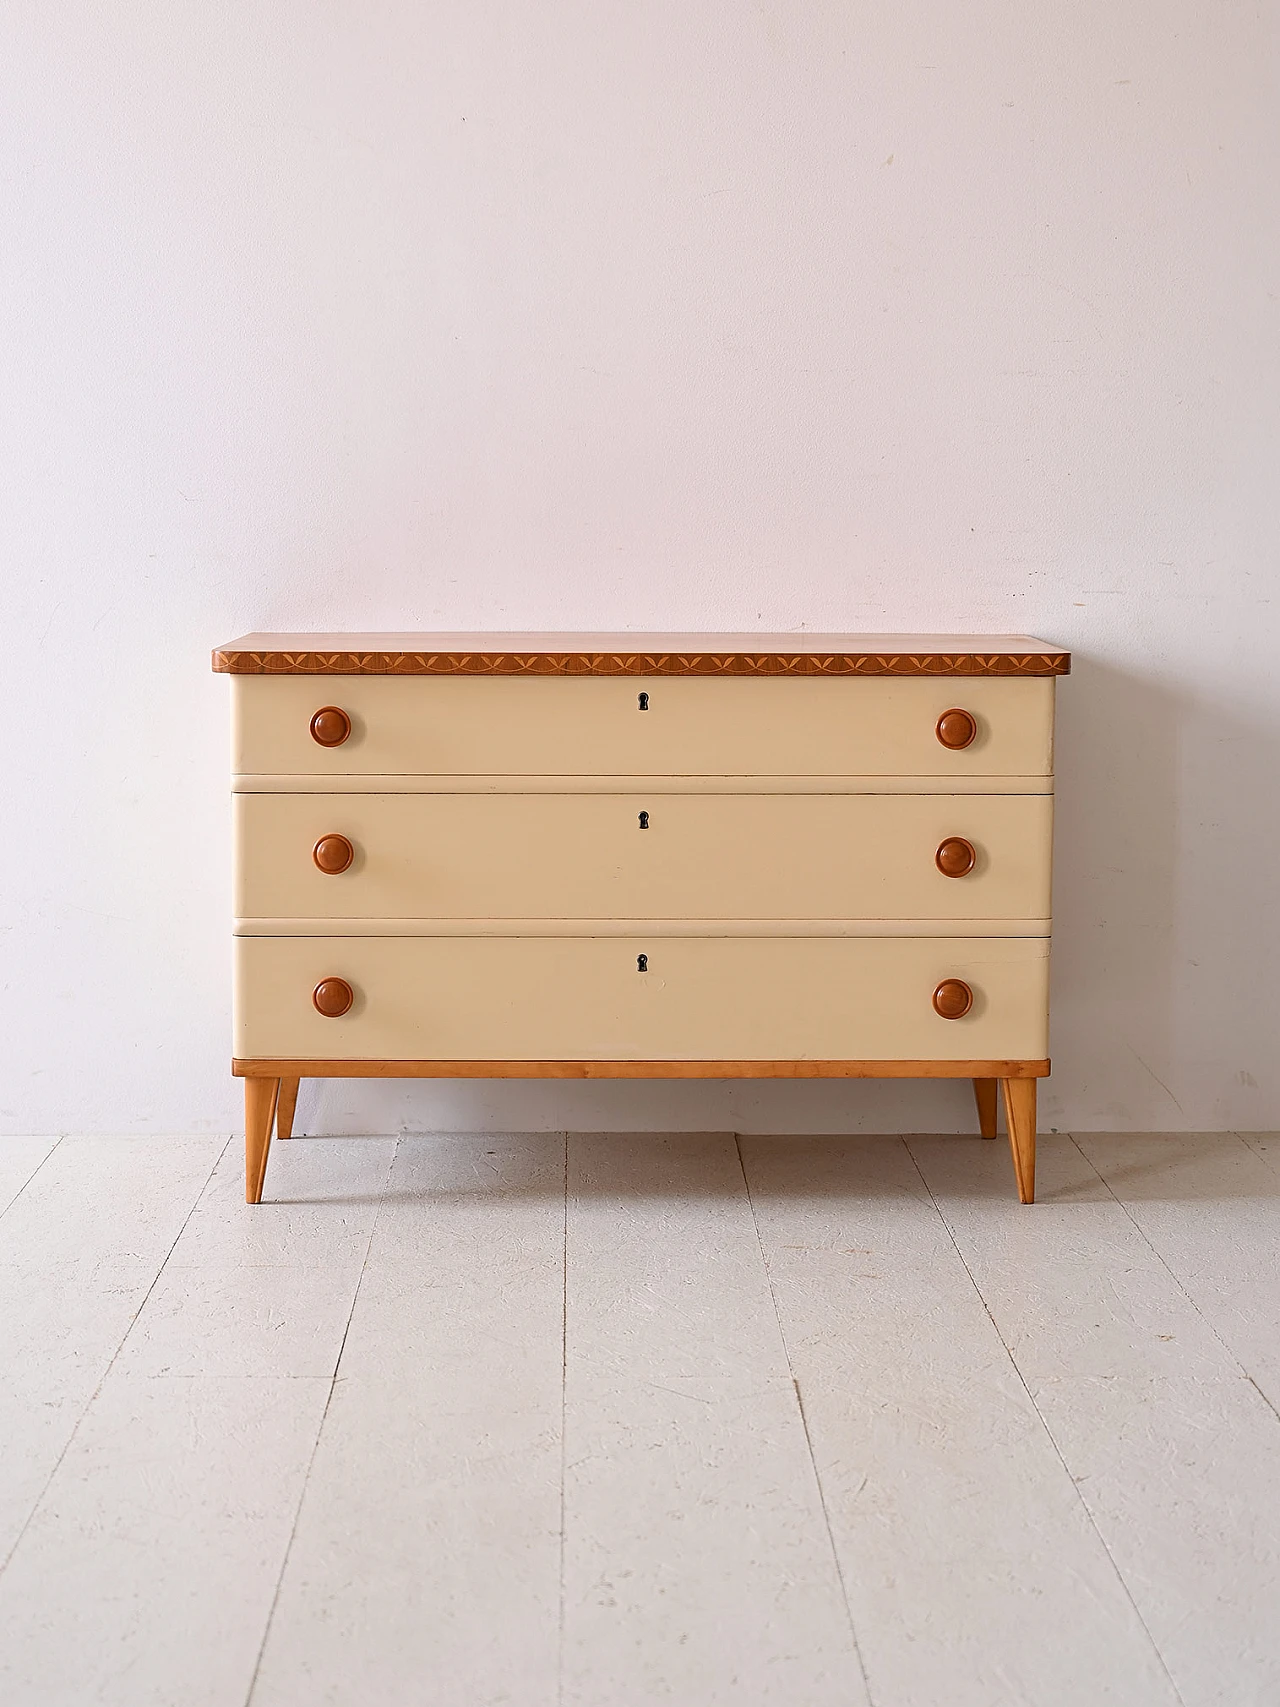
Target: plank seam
1164	1264
93	1397
1044	1424
315	1445
804	1424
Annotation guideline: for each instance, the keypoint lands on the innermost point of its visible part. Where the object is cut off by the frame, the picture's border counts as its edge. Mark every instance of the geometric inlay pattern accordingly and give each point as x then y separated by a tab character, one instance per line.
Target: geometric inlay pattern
619	663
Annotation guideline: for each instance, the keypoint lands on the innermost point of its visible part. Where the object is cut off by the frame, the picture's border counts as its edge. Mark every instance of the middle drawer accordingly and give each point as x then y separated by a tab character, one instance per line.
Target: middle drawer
643	855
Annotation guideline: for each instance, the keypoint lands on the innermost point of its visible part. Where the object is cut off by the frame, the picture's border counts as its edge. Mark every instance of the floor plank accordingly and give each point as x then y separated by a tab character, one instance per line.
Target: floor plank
108	1198
972	1569
250	1293
1046	1438
1174	1450
1181	1476
19	1160
79	1249
697	1563
1074	1288
1209	1205
1264	1144
426	1562
318	1210
146	1576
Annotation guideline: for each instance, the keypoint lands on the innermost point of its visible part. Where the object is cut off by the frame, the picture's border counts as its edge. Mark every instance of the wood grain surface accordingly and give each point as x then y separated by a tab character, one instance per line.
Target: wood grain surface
360	1069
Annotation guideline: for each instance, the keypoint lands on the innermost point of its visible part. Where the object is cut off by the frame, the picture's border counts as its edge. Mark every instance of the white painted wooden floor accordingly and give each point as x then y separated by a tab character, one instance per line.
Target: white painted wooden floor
452	1422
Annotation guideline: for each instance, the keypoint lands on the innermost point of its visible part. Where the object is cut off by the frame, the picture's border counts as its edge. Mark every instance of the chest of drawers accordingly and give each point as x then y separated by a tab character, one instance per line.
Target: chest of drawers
582	856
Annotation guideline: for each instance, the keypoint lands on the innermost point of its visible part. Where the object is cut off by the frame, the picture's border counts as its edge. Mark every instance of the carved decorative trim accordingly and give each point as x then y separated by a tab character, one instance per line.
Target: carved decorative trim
235	663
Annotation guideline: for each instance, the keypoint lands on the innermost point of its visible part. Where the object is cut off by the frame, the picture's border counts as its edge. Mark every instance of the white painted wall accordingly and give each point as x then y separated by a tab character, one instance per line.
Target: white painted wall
675	314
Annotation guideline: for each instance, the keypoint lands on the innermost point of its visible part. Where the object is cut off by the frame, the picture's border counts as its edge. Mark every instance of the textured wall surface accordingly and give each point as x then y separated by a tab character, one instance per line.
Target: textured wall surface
538	314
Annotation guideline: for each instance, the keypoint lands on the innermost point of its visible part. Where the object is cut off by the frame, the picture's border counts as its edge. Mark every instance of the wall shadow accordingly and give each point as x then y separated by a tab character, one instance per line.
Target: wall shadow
1165	937
1166	918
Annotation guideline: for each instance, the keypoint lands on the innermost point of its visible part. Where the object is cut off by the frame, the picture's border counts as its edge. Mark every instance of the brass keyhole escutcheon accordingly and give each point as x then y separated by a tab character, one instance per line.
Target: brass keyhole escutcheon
642	962
644	820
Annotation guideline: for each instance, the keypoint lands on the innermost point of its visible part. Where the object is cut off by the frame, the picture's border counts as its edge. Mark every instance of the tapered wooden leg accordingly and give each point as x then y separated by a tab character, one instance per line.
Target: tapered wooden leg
259	1111
286	1102
1020	1118
985	1092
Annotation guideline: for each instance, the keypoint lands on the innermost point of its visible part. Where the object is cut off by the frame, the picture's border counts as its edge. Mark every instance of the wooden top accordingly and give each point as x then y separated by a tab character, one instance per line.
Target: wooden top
640	655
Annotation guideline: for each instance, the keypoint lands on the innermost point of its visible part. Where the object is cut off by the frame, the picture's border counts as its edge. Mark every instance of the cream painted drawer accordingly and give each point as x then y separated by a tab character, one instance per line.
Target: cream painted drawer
585	856
694	726
583	998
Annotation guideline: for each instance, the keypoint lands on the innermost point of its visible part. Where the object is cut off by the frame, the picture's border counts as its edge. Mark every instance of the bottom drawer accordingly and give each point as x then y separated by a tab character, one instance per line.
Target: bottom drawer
586	998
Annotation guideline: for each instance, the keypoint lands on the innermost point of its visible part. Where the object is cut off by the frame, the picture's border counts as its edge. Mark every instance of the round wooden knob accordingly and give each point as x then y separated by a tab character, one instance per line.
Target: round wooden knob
952	999
334	853
330	726
955	857
333	997
956	728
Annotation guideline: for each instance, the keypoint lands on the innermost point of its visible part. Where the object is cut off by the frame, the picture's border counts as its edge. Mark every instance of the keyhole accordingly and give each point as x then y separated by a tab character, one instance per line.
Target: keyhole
642	962
644	820
643	702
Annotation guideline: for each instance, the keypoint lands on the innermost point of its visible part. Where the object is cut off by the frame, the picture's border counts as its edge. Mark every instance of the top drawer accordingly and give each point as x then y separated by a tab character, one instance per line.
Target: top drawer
595	726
